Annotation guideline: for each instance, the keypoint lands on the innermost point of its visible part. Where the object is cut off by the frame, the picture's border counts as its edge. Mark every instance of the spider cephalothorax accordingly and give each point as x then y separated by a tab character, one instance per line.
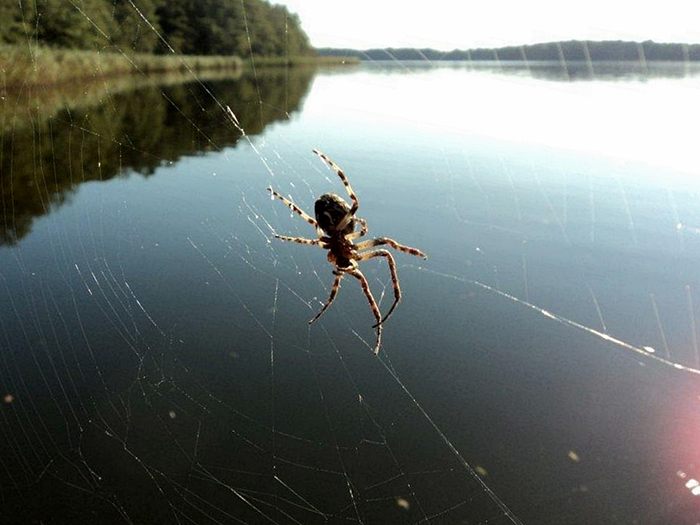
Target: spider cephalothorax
335	225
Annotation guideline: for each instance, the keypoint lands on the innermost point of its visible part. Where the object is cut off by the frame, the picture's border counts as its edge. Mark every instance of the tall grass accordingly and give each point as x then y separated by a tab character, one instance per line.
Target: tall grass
35	65
22	65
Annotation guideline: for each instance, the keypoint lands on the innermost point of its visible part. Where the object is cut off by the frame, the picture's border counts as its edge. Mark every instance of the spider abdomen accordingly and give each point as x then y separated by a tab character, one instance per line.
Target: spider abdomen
330	210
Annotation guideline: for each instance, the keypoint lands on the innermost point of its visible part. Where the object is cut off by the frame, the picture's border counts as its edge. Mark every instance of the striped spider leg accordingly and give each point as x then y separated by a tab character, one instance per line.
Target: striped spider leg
353	196
334	291
339	271
357	274
296	209
363	230
390	261
301	240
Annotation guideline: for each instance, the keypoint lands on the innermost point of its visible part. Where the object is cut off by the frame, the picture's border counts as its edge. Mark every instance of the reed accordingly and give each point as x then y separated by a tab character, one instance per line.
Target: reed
43	66
35	65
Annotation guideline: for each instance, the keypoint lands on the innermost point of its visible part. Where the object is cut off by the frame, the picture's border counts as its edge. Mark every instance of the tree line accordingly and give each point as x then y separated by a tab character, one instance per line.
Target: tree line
202	27
569	51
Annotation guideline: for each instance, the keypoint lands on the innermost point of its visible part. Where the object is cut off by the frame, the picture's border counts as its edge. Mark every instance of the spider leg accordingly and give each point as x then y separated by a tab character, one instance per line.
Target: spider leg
357	274
294	208
394	277
331	298
338	170
390	242
301	240
363	230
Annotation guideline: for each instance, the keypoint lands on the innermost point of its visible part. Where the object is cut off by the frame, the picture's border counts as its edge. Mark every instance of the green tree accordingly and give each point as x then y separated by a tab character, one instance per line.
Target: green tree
231	27
74	25
174	19
131	31
206	27
13	30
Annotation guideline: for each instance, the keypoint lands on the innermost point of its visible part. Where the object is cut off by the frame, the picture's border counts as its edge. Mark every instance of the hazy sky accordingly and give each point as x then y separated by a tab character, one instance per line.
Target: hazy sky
449	24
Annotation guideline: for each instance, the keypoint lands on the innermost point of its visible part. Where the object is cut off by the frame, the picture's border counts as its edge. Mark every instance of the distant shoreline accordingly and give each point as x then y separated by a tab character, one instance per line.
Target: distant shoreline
568	51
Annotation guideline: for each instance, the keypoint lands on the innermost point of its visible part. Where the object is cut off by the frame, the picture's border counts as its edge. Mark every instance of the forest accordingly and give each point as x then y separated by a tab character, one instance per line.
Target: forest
191	27
569	51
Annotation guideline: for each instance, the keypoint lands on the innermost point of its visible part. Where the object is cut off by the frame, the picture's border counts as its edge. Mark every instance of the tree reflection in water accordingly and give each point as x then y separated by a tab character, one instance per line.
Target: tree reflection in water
52	140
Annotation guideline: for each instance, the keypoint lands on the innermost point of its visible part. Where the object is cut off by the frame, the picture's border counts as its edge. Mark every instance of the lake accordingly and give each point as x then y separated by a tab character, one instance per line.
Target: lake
156	361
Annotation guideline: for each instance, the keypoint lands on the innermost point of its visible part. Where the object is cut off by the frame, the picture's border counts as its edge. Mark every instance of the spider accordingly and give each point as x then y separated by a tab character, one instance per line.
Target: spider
335	226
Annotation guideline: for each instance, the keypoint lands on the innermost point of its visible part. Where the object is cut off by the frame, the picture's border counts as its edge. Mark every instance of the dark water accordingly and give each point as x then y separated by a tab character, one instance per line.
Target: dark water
157	366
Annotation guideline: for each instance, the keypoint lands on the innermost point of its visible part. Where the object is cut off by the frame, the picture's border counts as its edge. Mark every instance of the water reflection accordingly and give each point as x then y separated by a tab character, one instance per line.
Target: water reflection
512	106
54	140
564	71
154	348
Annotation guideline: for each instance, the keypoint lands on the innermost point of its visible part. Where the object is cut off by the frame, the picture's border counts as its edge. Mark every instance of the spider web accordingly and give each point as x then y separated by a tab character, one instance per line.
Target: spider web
155	358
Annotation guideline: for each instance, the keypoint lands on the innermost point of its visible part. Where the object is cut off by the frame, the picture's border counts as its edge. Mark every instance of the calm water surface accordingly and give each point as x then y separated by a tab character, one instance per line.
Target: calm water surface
156	364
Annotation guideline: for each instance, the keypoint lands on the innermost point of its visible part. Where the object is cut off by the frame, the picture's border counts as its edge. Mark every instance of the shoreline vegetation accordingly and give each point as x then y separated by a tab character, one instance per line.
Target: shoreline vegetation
22	66
42	66
54	42
48	42
568	51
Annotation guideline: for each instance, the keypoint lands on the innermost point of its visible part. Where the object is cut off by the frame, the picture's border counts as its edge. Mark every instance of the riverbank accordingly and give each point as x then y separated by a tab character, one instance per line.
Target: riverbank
22	66
265	61
41	66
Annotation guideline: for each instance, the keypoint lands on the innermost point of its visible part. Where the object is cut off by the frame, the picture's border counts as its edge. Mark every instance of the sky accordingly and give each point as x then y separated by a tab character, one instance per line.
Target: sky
462	24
